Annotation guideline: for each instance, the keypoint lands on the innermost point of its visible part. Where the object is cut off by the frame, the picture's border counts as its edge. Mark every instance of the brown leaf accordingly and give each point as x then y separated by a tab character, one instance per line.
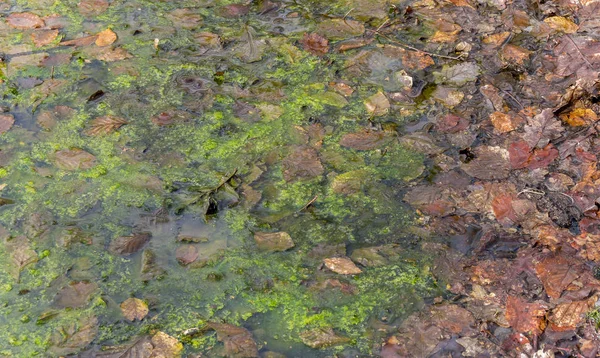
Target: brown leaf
560	23
490	163
541	129
541	158
302	163
134	308
342	265
6	122
569	315
588	246
73	159
519	153
451	124
525	317
90	8
105	125
126	245
233	10
21	255
105	38
322	337
109	54
76	295
575	53
273	241
503	123
24	20
165	346
186	254
238	340
556	274
71	337
515	54
185	18
364	140
81	41
315	44
44	37
377	104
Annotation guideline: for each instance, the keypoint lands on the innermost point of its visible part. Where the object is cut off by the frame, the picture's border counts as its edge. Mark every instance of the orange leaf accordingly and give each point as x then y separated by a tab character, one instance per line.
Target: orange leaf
44	37
525	317
24	20
106	38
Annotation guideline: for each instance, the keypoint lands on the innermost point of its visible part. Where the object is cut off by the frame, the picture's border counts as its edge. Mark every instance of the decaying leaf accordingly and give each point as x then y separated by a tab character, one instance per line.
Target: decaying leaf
556	274
364	140
315	44
24	20
340	29
165	346
579	117
503	122
92	7
75	295
105	124
458	74
44	37
238	341
126	245
525	317
6	122
134	308
560	23
273	241
489	163
21	255
72	337
186	254
569	315
302	163
322	337
342	265
377	104
73	159
105	38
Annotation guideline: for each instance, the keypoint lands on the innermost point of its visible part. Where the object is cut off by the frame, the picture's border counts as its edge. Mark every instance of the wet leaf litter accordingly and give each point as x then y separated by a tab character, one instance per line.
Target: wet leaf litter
299	178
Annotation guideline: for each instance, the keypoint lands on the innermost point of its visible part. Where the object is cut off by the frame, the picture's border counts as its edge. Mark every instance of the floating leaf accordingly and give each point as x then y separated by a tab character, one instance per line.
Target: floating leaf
302	163
126	245
134	308
6	122
342	265
322	337
186	254
105	125
105	38
238	340
525	317
76	295
44	37
273	241
24	20
73	159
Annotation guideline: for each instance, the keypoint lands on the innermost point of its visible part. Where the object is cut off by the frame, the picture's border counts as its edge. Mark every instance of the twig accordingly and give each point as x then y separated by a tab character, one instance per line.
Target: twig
308	204
531	191
580	53
416	49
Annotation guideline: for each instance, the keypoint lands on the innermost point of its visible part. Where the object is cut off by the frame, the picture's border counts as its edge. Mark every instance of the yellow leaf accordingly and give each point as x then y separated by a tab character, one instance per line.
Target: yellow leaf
560	23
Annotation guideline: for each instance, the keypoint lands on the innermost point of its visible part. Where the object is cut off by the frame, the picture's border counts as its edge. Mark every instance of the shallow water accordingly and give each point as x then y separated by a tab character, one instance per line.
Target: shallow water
221	125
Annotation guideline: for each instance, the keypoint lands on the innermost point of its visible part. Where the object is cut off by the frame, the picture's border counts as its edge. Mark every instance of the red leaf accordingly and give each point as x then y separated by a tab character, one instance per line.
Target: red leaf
519	154
541	158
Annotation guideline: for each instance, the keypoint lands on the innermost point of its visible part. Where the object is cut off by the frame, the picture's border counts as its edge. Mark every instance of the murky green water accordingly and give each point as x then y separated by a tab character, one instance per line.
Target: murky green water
228	127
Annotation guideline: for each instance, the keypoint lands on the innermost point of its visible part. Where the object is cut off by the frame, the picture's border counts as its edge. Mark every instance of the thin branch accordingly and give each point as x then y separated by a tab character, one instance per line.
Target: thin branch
416	49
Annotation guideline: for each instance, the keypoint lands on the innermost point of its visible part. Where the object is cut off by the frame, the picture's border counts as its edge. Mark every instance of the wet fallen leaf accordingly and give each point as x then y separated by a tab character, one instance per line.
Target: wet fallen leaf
364	140
512	54
503	123
447	96
91	8
542	157
569	315
340	29
525	317
238	341
315	44
73	159
519	153
273	241
165	346
134	308
233	10
24	20
489	163
44	37
72	337
342	265
126	245
579	117
150	268
75	295
186	254
322	337
105	38
21	255
105	125
302	163
560	23
185	18
576	53
458	74
556	274
377	104
496	39
541	129
6	122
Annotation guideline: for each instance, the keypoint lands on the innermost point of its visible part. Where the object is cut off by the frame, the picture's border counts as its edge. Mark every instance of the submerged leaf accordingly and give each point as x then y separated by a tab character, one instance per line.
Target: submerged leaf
302	163
44	37
105	125
73	159
322	337
364	140
315	44
186	254
342	265
21	255
525	317
126	245
273	241
106	38
134	308
72	337
238	340
24	20
76	295
490	163
6	122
